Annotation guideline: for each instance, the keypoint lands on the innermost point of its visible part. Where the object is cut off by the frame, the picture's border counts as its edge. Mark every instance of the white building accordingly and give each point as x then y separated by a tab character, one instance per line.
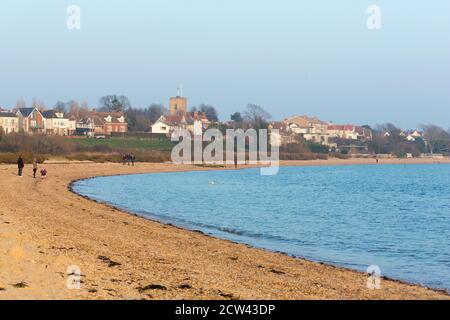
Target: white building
312	129
193	122
9	122
167	124
349	131
56	123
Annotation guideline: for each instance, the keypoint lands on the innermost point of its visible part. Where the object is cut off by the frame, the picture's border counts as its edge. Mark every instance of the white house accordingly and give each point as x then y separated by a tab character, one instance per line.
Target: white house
72	125
9	122
312	129
168	123
413	136
192	121
56	123
349	131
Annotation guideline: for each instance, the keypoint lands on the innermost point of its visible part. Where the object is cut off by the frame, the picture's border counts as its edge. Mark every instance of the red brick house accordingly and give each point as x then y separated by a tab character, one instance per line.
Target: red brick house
106	123
31	120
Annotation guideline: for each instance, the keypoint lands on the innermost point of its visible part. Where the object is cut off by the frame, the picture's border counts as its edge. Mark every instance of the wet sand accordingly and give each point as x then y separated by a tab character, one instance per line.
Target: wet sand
45	228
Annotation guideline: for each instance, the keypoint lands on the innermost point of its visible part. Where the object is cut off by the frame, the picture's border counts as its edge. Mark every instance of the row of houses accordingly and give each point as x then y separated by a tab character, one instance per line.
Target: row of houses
410	136
195	122
310	128
54	122
318	131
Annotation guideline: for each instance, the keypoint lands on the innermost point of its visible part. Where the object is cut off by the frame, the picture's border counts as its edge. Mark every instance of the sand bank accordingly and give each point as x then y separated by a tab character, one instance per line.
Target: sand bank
44	229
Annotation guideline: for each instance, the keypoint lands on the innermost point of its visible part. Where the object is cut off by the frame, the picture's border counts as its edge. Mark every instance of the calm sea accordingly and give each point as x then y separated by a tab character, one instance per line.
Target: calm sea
394	216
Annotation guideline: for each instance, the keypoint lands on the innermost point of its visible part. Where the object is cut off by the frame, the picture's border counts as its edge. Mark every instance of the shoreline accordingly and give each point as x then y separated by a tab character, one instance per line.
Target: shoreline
206	262
286	164
188	229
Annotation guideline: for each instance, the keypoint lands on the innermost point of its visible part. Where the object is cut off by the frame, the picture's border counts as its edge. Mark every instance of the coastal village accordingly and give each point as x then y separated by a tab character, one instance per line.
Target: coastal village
348	139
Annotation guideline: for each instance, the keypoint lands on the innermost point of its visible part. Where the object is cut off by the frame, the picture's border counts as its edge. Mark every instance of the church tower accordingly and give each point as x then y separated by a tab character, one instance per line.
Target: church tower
178	104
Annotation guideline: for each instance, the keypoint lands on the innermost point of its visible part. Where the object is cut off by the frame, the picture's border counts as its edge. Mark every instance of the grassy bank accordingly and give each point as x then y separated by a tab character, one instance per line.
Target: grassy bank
98	150
110	149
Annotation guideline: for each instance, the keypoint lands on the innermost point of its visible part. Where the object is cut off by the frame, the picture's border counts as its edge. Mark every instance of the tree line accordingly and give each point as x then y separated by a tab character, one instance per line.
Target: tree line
435	139
388	139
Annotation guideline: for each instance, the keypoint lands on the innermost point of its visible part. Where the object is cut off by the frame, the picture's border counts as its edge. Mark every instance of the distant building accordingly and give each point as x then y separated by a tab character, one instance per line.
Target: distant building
31	120
9	123
72	125
349	132
312	129
100	123
192	121
106	123
178	105
414	135
56	123
285	135
84	127
168	123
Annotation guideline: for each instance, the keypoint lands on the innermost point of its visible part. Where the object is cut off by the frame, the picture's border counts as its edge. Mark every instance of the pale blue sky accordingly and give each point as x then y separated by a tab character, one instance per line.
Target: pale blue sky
290	56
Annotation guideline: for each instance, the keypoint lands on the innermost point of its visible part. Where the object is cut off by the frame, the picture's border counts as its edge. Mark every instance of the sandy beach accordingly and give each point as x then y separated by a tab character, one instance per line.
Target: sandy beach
45	228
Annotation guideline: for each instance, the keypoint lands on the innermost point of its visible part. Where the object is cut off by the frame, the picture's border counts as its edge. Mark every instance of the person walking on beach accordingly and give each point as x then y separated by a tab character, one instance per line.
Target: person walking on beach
20	166
35	167
133	158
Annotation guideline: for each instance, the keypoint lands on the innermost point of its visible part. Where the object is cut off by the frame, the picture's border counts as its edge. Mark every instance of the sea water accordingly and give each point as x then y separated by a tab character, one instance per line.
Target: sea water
396	217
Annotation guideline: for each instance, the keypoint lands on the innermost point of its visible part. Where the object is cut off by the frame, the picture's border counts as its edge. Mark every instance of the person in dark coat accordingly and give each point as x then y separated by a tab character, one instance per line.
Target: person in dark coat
35	167
20	165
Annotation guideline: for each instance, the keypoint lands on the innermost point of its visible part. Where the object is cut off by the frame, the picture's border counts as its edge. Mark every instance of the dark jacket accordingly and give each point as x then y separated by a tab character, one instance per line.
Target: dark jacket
20	163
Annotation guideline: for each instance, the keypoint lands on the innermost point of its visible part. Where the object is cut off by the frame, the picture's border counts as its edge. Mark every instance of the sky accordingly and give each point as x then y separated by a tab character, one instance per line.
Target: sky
292	57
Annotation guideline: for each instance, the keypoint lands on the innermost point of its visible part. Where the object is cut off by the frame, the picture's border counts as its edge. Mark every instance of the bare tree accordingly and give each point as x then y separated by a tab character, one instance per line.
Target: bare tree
114	103
73	108
256	116
155	111
20	104
60	106
210	112
38	105
437	139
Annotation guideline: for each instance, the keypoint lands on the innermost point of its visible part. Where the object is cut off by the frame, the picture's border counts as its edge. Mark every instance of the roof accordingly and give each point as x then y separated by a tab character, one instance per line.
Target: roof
305	121
51	114
26	111
347	127
84	120
174	120
4	114
114	116
278	126
98	121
